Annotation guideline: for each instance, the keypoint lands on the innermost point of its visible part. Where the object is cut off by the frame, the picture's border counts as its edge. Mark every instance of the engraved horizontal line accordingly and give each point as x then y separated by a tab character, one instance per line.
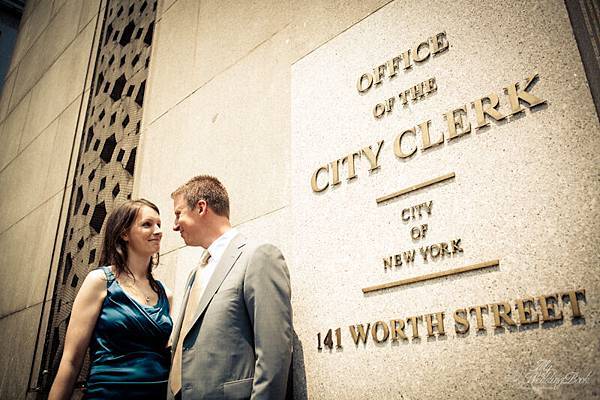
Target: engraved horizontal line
435	275
416	187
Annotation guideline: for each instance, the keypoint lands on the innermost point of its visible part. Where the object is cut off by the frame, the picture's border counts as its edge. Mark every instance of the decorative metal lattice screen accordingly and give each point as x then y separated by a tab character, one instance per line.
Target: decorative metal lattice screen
585	20
106	160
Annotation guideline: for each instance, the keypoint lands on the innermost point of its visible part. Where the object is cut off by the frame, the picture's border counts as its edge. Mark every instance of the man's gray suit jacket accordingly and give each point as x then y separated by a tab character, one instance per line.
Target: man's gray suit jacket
240	345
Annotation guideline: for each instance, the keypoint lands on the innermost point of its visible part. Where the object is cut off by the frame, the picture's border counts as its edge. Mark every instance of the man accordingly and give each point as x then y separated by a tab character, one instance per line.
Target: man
233	338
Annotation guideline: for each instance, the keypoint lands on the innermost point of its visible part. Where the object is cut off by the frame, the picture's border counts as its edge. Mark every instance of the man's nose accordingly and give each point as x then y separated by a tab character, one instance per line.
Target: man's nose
176	227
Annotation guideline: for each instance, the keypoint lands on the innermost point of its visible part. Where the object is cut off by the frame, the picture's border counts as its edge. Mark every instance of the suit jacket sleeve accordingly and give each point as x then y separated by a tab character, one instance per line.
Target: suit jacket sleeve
267	295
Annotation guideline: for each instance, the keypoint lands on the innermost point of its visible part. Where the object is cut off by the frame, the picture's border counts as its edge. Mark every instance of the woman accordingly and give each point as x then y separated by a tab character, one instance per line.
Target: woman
122	313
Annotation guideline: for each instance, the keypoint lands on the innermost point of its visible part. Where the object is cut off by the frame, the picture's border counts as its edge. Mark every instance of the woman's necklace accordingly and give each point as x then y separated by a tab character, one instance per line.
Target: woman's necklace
139	292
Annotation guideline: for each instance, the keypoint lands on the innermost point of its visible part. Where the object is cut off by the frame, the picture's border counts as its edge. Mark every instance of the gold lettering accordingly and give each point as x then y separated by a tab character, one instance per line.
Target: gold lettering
413	323
525	307
392	66
424	251
424	126
406	59
548	308
387	263
416	92
432	84
418	58
406	218
418	54
351	165
373	157
409	256
313	180
335	172
361	335
402	97
428	206
478	315
361	86
389	104
398	144
445	251
453	123
429	86
397	326
456	246
503	314
482	110
515	95
460	318
573	300
378	73
375	329
439	325
379	110
439	43
434	251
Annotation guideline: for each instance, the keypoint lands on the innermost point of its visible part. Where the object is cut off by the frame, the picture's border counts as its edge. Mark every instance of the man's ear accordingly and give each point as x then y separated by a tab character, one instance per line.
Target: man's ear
201	207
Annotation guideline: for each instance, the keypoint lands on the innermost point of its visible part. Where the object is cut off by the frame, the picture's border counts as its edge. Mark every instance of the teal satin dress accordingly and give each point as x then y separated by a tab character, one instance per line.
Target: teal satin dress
128	350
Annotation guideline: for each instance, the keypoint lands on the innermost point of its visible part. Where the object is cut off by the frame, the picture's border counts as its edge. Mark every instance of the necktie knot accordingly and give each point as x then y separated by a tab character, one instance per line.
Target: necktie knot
205	257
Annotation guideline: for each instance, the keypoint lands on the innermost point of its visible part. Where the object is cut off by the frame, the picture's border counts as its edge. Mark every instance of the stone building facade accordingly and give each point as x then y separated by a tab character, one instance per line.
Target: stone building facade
288	103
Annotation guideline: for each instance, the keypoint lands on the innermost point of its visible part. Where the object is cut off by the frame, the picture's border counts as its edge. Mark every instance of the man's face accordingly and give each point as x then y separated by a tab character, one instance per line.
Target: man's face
188	222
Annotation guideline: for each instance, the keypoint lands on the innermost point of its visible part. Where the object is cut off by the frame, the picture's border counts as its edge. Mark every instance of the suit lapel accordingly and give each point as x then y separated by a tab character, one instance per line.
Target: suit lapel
230	256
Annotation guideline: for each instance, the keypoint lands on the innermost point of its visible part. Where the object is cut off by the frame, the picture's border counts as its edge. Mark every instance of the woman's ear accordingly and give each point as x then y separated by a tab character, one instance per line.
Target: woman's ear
125	237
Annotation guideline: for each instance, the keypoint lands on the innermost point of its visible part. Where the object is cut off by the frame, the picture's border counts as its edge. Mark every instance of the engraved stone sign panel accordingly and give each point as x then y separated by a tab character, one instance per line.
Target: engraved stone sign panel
485	111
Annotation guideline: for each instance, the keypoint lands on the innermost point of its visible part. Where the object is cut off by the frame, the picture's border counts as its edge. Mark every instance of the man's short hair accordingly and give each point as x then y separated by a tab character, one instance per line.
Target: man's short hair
207	188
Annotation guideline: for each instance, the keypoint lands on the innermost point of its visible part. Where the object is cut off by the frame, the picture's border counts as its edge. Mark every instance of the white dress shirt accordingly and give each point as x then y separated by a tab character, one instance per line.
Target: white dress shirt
216	250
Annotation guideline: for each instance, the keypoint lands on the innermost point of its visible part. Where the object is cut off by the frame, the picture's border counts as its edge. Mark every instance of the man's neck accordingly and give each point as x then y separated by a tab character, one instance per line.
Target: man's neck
217	232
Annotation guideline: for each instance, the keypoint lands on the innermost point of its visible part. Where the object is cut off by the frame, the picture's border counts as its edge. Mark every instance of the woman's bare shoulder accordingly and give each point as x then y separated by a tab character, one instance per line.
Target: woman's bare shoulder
95	282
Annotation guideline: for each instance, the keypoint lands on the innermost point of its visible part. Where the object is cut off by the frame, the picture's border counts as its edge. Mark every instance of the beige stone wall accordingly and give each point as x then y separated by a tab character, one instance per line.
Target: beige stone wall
40	109
219	102
260	94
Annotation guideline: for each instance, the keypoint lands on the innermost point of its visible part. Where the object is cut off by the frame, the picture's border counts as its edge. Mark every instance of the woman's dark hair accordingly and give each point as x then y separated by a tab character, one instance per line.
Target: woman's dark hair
114	247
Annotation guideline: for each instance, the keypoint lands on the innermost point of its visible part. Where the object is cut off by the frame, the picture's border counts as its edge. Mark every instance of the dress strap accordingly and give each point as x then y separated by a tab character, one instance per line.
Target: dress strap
161	289
162	296
110	276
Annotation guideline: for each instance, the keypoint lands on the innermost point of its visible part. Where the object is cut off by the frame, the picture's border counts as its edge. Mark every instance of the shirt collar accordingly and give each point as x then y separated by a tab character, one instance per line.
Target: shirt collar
217	248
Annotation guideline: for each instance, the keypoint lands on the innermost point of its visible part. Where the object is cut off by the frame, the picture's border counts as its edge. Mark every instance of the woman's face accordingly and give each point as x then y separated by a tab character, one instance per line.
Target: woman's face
144	236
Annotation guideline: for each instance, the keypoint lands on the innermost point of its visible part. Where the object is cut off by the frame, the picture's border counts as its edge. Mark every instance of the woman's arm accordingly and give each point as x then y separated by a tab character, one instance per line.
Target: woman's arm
86	309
